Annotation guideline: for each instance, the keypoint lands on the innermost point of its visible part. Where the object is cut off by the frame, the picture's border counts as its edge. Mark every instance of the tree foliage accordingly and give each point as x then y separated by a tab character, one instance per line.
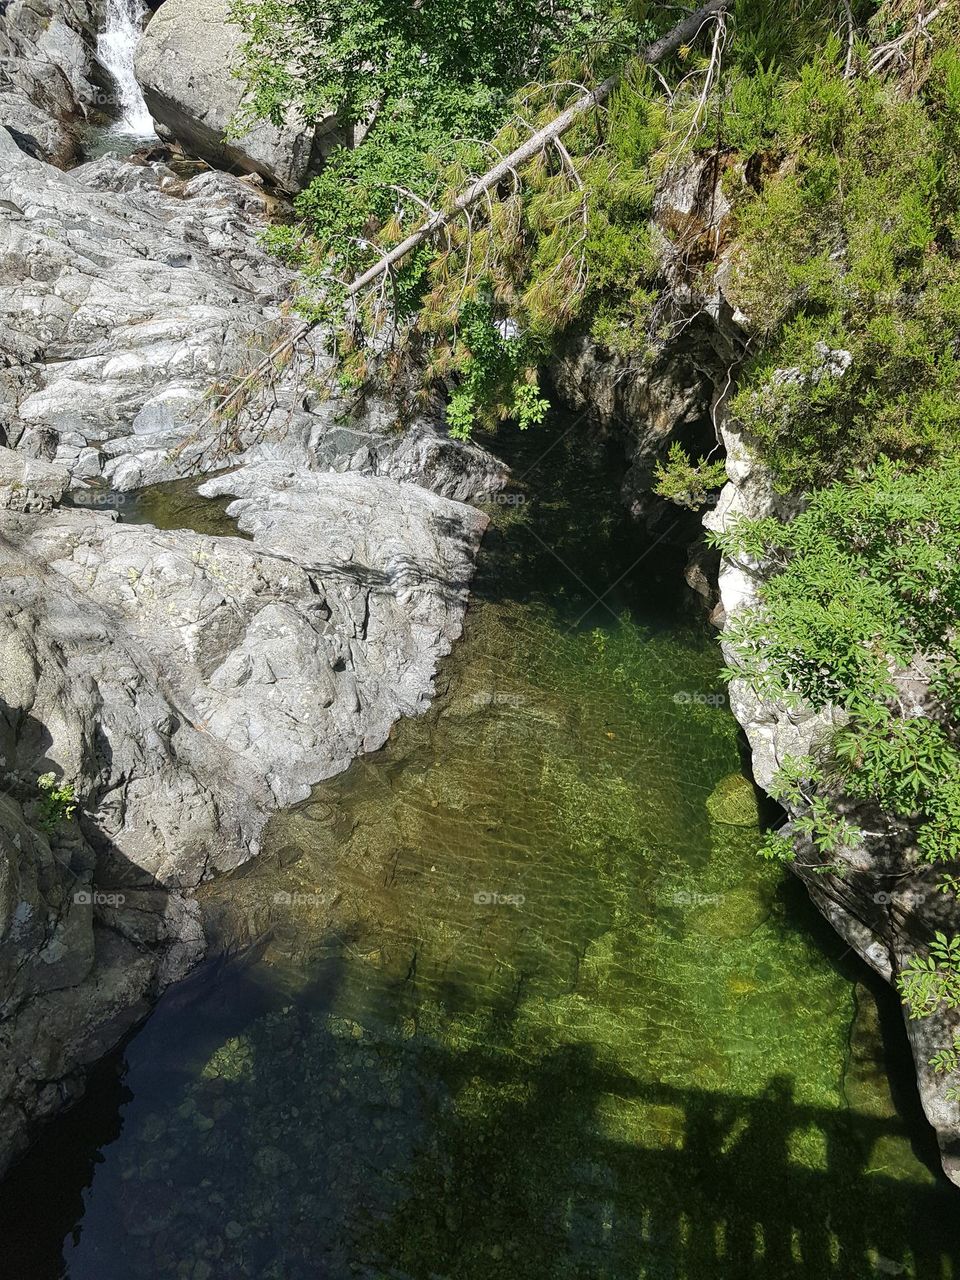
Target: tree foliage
424	78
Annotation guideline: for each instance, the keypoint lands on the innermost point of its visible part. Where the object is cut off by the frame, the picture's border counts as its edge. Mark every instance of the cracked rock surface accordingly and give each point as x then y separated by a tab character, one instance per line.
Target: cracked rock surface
49	78
124	293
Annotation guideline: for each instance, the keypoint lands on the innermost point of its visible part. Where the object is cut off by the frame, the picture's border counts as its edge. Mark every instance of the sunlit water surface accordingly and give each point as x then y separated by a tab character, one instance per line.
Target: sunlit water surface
527	1005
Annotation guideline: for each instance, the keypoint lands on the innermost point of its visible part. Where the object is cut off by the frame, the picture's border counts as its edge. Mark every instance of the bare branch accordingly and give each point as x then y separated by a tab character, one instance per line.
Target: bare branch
885	54
410	195
851	39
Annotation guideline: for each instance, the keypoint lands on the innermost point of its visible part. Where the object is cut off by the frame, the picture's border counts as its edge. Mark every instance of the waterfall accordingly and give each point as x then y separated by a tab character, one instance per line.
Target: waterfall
116	43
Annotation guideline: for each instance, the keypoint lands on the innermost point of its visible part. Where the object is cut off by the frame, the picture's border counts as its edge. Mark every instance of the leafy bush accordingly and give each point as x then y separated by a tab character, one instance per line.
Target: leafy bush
930	981
798	784
686	483
494	367
57	803
859	588
851	247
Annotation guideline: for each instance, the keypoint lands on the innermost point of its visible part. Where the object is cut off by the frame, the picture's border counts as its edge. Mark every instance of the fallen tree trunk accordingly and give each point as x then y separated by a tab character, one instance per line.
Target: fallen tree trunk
682	34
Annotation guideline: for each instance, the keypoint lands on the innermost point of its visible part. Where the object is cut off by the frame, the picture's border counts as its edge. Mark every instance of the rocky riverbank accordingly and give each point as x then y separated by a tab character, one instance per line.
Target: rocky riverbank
178	687
887	907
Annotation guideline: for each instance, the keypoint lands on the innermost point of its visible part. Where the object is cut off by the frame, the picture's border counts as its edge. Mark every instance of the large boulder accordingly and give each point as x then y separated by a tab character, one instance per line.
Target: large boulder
185	65
29	484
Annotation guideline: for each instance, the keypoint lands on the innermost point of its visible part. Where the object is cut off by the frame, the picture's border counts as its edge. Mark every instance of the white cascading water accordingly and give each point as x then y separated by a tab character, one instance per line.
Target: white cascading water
123	26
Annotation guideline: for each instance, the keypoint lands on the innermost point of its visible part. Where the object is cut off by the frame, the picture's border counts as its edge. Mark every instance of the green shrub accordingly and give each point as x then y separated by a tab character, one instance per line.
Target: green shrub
57	803
862	585
686	483
931	981
851	247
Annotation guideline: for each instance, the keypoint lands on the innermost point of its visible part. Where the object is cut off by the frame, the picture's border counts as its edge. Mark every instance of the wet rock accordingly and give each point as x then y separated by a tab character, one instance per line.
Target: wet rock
142	292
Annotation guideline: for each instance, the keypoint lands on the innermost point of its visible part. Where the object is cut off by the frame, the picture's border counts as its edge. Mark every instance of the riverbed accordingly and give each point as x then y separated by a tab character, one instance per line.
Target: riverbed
514	997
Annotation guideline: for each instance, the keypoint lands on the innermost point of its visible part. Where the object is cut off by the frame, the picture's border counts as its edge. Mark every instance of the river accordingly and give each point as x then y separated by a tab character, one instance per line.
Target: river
526	1003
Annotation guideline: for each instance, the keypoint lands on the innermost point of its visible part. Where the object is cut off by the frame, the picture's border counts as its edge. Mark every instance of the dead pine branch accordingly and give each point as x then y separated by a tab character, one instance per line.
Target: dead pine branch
851	39
683	34
886	53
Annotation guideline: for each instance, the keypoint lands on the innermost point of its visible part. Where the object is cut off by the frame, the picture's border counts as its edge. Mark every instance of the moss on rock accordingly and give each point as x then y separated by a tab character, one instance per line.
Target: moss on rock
733	802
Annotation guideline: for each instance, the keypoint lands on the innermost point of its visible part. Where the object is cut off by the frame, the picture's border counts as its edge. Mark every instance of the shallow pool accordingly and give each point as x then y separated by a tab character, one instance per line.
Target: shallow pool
525	1003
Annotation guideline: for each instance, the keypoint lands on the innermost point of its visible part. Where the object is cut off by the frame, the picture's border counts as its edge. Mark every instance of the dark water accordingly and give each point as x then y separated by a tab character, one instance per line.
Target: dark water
107	140
527	1003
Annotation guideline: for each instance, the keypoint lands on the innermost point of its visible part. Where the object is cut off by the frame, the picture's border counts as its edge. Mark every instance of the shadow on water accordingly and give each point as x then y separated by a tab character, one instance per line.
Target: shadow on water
882	1043
58	1170
441	1148
526	1004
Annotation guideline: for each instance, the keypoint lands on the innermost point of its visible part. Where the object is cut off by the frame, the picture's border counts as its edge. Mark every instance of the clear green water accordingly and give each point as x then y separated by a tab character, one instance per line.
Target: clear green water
526	1004
175	505
102	140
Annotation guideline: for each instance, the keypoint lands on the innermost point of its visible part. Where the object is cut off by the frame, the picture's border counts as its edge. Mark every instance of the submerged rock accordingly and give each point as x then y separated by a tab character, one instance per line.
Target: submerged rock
733	803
